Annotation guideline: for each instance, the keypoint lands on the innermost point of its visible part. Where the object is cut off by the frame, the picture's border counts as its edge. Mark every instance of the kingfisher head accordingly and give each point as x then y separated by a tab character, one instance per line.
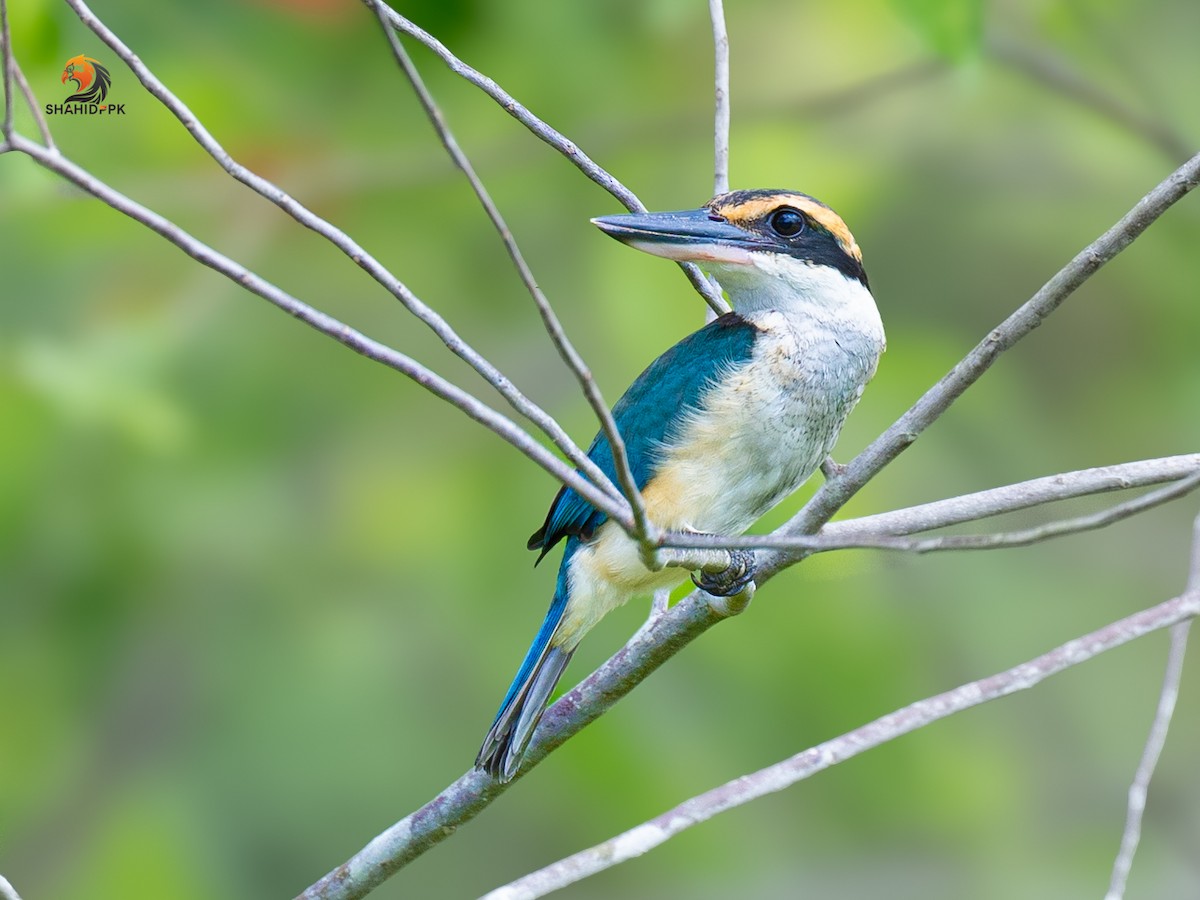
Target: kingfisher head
767	248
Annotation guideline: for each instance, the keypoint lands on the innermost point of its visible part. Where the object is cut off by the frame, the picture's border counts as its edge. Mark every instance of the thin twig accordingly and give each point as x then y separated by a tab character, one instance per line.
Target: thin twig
823	542
453	341
803	765
695	613
326	324
644	531
8	63
1156	739
836	492
1053	72
34	107
544	132
716	12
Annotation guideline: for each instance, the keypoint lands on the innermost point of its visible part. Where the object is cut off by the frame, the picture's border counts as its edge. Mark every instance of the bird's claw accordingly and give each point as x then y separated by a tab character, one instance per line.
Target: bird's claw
731	580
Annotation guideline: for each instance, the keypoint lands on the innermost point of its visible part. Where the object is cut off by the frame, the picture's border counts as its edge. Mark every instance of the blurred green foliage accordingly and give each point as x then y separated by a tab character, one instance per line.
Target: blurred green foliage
259	598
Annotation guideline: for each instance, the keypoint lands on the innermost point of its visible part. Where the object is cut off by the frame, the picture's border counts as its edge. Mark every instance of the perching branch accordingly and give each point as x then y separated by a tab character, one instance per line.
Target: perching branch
644	530
696	613
544	132
876	532
803	765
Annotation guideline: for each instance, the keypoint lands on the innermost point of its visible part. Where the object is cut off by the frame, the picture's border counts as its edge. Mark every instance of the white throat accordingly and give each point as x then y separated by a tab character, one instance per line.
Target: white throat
803	292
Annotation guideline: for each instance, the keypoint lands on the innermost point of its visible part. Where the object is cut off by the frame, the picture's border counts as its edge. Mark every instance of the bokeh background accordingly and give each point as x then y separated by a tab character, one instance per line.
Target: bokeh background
259	598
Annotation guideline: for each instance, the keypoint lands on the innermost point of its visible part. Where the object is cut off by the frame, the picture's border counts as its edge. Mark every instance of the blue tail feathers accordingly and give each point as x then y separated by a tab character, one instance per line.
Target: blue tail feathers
525	701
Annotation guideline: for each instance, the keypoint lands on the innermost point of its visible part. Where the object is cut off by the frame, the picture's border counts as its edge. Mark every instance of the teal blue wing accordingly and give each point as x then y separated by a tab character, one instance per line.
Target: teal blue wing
647	416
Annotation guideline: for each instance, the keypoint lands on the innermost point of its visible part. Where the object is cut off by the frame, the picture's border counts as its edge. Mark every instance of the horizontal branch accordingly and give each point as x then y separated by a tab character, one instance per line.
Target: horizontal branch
548	135
326	324
352	250
884	531
803	765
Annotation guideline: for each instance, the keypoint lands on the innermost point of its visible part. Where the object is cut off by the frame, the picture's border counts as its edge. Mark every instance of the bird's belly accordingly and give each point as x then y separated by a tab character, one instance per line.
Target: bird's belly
757	437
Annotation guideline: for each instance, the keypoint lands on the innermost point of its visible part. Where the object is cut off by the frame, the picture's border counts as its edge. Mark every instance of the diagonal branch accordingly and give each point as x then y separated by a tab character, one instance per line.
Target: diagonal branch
803	765
644	530
544	132
326	324
7	891
695	614
350	248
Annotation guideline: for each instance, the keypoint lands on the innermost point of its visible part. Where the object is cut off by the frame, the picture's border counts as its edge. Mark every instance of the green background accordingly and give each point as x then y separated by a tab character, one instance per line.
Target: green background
259	598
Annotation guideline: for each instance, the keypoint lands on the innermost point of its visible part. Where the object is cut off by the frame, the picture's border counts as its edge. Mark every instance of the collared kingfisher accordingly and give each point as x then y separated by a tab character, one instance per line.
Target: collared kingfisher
718	429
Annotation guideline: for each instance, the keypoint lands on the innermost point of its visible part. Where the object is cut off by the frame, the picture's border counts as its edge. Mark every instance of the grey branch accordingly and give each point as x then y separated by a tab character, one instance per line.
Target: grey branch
544	132
816	759
325	324
7	891
351	249
1156	739
883	531
644	530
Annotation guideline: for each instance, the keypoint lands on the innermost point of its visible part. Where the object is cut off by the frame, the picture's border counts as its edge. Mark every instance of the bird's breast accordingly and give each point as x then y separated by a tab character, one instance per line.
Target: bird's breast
762	428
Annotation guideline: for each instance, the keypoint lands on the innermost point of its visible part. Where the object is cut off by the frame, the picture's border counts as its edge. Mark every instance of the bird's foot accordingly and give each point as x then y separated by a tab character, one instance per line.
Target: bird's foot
832	469
731	580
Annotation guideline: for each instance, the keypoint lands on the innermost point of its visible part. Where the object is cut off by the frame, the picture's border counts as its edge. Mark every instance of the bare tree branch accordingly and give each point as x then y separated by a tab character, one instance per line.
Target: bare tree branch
544	132
7	891
326	324
1053	72
1157	738
803	765
351	249
832	538
1023	495
644	530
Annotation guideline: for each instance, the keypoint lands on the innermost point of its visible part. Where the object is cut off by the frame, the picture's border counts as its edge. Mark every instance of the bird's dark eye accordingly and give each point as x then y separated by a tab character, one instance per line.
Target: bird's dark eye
786	222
